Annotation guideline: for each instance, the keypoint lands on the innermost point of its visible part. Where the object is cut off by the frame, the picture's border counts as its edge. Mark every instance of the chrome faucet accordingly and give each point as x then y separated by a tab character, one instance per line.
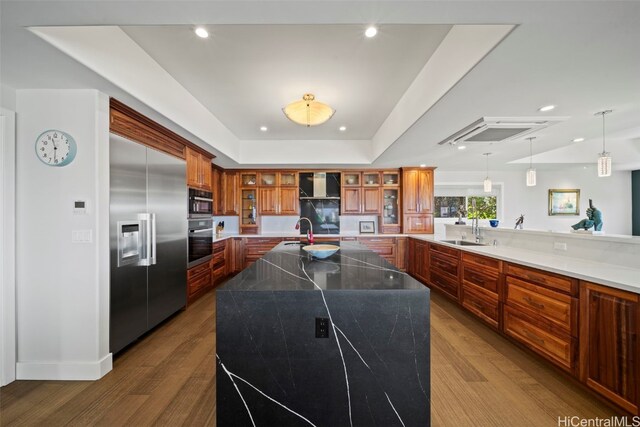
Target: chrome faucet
475	227
310	232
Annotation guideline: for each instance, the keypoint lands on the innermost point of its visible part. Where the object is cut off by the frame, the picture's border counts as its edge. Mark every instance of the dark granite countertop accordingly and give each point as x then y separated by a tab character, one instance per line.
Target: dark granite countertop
354	267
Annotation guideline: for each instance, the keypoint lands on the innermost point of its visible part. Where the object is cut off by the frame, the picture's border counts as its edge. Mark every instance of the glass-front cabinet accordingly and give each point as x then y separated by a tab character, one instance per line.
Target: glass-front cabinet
351	179
268	179
248	220
371	179
248	179
390	210
288	179
391	178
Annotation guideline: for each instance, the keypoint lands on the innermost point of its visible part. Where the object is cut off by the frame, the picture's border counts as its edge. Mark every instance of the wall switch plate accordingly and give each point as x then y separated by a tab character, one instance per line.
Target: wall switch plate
560	246
322	327
81	236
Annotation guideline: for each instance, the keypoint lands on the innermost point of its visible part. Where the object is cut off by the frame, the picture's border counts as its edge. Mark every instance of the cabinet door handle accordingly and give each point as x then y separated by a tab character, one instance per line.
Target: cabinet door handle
533	303
533	337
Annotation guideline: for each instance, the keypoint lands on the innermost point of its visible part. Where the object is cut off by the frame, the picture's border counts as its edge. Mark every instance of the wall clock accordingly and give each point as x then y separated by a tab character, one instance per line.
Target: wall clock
55	148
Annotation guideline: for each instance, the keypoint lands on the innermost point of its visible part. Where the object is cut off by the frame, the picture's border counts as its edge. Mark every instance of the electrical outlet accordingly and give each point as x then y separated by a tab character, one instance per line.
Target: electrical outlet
560	246
322	327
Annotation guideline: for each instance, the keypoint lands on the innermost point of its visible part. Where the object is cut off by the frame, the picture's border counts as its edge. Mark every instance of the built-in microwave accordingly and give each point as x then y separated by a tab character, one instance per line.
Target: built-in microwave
200	203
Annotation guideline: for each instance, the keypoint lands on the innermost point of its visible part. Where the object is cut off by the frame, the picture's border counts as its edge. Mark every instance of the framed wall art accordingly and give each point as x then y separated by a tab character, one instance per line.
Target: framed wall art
564	202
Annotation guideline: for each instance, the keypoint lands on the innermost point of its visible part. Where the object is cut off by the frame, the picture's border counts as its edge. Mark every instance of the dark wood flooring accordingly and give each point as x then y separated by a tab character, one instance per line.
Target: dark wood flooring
168	378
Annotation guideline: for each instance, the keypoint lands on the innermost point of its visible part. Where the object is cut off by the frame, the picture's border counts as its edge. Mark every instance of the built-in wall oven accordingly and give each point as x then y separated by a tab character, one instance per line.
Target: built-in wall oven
200	241
200	203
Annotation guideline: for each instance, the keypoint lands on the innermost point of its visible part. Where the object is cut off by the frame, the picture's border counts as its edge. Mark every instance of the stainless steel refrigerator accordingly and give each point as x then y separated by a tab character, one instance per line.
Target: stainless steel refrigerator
148	239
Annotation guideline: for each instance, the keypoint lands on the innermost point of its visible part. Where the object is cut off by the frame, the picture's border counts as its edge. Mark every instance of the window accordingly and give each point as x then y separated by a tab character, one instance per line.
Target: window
449	206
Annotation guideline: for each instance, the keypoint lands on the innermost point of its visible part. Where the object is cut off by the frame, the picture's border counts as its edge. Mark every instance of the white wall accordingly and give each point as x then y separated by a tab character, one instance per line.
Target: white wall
62	287
612	195
7	248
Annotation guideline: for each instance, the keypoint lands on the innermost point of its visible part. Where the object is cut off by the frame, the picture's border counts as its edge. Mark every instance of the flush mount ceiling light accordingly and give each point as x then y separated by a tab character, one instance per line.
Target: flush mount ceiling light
308	112
604	160
531	172
371	32
487	181
546	108
201	32
578	140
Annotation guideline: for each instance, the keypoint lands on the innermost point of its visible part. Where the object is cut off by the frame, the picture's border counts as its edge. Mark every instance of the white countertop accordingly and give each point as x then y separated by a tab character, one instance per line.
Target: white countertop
615	276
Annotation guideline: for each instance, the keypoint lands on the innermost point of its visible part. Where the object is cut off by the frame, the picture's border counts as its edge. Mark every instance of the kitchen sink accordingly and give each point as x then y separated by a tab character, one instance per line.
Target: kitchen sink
462	243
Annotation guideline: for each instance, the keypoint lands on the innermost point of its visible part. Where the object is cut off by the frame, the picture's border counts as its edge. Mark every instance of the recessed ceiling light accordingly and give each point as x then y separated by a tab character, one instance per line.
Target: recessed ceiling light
423	165
578	140
371	32
202	33
342	128
462	147
264	128
547	108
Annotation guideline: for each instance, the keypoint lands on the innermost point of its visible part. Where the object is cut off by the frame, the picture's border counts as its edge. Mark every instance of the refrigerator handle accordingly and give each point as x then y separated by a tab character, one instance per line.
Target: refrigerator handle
148	225
152	243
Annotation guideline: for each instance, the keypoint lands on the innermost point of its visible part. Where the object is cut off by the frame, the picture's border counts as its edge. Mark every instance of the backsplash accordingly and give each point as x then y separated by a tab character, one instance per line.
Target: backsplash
231	223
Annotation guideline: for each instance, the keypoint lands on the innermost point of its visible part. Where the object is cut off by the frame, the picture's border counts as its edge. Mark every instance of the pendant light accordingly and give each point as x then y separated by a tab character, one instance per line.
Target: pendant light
531	172
487	181
604	161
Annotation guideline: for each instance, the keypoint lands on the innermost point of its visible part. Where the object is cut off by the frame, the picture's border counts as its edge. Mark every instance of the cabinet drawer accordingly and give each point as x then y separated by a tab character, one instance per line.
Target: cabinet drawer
377	241
560	309
445	250
483	278
383	251
269	241
443	264
550	280
488	263
559	349
348	239
479	304
218	273
199	282
197	270
219	247
444	283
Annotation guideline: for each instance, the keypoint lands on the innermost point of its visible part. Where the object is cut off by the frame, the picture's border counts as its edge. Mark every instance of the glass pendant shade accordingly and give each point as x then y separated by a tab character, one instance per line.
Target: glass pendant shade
604	158
487	185
308	112
531	177
604	164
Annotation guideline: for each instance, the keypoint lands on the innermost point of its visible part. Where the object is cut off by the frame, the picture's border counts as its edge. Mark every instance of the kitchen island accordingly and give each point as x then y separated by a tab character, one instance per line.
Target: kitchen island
341	341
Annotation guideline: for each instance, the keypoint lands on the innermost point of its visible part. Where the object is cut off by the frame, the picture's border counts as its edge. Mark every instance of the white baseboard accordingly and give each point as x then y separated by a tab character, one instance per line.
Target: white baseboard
64	370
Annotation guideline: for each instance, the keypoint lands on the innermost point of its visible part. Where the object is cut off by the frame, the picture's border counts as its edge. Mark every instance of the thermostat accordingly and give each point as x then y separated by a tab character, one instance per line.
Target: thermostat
79	207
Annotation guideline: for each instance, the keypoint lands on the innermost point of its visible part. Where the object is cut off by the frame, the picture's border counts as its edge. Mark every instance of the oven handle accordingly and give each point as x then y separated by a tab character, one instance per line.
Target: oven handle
201	231
202	199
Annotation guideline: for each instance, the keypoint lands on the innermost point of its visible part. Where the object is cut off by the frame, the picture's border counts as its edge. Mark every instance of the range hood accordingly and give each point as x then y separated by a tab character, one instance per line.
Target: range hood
319	185
500	129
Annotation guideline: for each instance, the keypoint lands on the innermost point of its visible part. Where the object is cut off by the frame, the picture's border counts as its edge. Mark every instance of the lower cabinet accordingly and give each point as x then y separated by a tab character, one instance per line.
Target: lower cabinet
609	345
588	330
198	281
256	248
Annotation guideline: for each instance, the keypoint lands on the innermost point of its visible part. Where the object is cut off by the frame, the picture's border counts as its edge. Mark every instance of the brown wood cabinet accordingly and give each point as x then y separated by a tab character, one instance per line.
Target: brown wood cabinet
609	344
198	281
289	203
417	200
230	193
418	257
541	312
444	269
216	189
267	201
256	247
481	286
198	170
371	203
351	200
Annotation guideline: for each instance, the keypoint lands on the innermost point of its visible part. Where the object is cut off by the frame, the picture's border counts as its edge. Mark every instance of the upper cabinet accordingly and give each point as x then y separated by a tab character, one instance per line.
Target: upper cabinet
417	200
216	189
351	179
230	193
198	170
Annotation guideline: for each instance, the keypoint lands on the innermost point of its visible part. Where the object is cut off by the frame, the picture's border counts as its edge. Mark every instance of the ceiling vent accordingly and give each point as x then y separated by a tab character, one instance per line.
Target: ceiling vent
500	129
